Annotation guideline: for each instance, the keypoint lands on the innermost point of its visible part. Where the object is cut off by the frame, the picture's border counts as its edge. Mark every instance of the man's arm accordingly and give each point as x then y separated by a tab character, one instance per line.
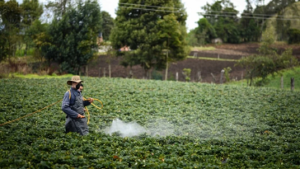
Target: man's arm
65	107
86	103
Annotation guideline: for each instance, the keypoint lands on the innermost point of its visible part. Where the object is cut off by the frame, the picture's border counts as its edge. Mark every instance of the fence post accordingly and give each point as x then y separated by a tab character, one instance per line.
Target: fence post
166	71
99	71
196	54
292	84
221	78
104	72
109	70
242	75
213	77
281	82
199	76
176	76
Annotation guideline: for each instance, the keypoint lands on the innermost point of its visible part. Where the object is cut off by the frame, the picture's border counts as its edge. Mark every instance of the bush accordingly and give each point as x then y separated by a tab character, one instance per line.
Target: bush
187	73
156	75
227	74
259	66
294	36
4	71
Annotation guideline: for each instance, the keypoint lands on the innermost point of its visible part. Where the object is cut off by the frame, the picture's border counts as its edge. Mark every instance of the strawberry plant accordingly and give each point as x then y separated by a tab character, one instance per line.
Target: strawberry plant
188	125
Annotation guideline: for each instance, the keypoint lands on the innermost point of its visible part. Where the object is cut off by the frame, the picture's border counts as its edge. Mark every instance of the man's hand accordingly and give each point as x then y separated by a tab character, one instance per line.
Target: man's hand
91	100
80	116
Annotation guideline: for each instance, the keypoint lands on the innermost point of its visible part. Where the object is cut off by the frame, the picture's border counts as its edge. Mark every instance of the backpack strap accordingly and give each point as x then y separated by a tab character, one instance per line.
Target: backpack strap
69	94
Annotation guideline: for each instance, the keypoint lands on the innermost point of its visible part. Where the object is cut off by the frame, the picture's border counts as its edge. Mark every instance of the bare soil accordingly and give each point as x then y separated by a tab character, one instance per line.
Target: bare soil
208	68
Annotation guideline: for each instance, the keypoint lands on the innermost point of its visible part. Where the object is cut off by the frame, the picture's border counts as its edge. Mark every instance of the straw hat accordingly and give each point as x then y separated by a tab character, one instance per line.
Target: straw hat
74	79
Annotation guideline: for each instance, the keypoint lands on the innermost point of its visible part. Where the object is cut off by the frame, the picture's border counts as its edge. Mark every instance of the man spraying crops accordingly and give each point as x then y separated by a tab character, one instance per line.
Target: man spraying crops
73	105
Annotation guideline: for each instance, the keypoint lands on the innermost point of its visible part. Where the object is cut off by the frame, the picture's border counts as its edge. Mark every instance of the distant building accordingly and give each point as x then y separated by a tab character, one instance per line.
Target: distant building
217	41
124	48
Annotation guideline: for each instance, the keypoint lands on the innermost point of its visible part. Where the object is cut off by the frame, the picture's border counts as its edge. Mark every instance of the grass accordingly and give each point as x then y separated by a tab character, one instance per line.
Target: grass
216	59
23	59
287	75
202	48
20	52
36	76
275	81
101	53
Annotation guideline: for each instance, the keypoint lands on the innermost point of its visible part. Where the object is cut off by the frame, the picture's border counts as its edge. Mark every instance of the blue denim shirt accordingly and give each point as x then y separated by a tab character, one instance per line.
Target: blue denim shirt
66	103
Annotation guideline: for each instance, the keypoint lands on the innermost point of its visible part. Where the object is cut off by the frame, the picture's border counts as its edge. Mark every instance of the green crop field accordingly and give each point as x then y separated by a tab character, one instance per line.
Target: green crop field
188	125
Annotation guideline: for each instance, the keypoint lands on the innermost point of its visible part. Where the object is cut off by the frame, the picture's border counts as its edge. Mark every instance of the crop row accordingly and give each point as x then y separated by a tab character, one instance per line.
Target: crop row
189	125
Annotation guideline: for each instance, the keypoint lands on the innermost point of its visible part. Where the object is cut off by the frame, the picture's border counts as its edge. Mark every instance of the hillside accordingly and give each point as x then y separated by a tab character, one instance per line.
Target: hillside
187	125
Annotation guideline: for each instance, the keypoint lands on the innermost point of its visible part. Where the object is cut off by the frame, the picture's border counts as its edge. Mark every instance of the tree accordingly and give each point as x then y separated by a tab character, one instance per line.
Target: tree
277	9
215	10
205	31
71	40
275	6
31	11
294	36
250	31
191	39
170	36
222	15
10	12
36	33
107	24
58	7
145	28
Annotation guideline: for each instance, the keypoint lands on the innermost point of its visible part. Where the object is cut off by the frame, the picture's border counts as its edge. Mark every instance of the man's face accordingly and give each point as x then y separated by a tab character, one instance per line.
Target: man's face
80	88
74	85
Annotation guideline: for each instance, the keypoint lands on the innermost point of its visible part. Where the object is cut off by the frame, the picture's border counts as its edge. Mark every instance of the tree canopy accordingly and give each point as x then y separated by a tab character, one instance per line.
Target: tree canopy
10	24
107	24
152	29
223	17
72	39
